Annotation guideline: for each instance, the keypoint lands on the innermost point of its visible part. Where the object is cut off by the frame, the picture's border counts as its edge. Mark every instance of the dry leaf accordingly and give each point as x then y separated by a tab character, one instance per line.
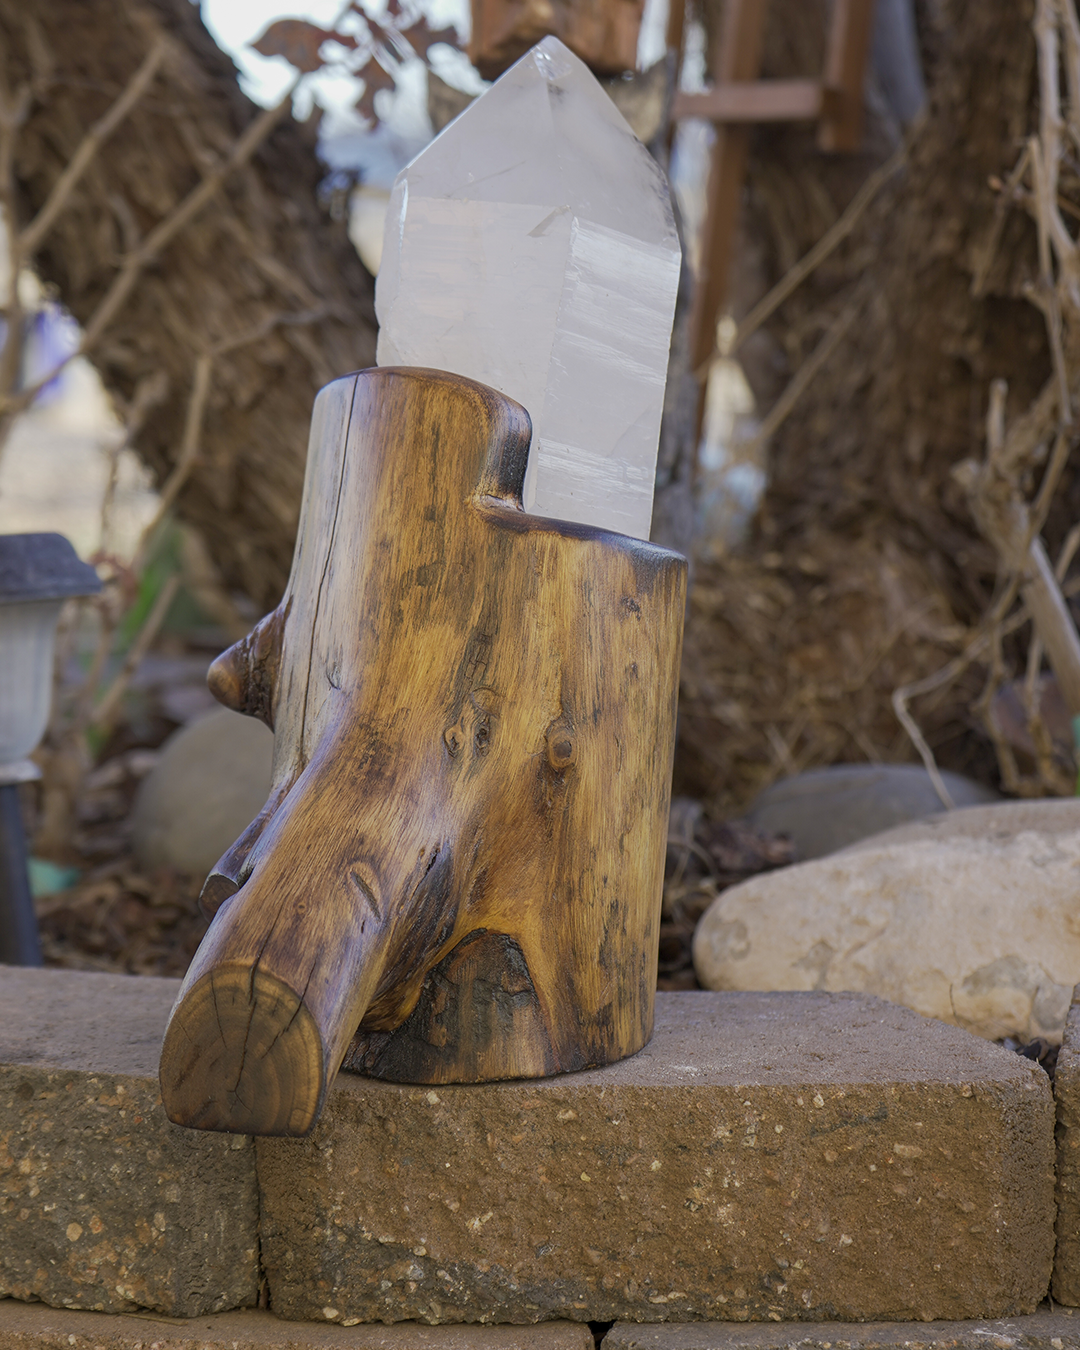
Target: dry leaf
299	42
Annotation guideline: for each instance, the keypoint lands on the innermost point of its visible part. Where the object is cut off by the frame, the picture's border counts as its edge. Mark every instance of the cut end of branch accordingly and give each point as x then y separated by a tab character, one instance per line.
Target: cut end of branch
243	1054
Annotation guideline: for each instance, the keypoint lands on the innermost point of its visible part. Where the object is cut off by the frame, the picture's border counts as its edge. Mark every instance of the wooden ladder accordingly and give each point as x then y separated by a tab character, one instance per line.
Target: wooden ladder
740	97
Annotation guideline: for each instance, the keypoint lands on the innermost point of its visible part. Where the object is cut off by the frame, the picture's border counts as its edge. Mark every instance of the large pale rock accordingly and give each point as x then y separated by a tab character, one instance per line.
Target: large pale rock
972	917
794	1156
210	783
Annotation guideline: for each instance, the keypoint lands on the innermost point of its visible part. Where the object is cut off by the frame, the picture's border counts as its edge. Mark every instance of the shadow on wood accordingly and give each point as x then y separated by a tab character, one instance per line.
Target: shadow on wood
457	875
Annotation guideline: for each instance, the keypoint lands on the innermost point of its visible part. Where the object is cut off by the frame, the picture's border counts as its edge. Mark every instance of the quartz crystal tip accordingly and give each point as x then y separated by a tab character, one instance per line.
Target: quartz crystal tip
531	246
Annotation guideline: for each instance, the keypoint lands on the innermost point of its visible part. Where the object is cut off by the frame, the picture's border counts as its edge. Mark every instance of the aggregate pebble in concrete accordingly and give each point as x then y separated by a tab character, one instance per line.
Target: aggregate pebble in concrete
797	1156
1053	1330
32	1327
1066	1285
103	1203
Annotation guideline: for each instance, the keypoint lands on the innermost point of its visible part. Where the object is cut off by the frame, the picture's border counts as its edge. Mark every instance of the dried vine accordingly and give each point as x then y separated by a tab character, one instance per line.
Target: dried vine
1036	444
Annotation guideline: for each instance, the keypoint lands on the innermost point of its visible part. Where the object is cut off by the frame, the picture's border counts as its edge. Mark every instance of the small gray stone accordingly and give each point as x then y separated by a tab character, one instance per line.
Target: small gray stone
827	809
210	783
1057	1330
103	1203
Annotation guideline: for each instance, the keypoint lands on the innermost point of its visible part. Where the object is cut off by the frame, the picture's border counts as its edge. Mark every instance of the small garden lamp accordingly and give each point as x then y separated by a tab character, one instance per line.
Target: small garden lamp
38	572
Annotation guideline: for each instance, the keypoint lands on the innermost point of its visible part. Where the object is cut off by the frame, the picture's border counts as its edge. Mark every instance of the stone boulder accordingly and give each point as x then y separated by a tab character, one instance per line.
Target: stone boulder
971	916
212	780
824	810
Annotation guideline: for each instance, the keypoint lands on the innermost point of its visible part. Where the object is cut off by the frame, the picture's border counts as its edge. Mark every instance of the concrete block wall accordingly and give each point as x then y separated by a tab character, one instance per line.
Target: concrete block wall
103	1203
35	1327
768	1157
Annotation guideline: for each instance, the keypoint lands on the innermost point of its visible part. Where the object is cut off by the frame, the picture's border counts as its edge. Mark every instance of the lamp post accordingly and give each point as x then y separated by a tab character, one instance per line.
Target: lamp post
38	572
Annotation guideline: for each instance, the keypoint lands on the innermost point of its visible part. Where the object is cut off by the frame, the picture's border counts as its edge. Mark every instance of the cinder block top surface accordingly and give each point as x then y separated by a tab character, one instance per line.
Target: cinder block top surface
792	1039
99	1023
83	1020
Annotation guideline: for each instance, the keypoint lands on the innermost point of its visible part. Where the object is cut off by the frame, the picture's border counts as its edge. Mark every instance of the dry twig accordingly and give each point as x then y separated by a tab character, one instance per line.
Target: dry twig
750	452
996	487
30	239
144	254
829	242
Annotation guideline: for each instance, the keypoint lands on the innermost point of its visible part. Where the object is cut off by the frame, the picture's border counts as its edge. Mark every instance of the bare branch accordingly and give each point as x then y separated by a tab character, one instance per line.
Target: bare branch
1071	32
107	706
1006	197
189	453
801	380
829	242
136	262
166	230
31	237
148	393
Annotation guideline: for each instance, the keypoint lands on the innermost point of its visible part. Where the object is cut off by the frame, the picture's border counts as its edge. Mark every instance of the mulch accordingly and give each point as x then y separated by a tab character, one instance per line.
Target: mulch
119	917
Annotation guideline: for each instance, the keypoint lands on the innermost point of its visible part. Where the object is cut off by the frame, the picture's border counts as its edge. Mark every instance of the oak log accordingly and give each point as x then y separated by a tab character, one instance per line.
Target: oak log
457	874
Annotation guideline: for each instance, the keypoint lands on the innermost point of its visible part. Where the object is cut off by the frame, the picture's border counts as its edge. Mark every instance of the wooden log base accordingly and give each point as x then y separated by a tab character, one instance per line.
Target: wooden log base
463	849
243	1054
478	1018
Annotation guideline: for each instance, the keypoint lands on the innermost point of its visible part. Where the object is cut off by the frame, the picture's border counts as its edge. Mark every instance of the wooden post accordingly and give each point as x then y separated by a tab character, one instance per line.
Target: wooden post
604	33
845	70
737	58
736	99
457	876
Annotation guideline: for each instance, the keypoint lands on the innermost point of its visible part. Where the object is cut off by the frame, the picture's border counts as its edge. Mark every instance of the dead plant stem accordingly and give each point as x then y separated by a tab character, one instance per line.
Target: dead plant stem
189	453
829	242
107	706
801	381
31	237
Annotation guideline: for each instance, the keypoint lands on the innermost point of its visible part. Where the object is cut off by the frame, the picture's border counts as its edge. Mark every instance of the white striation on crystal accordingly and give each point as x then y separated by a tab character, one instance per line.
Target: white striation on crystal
531	246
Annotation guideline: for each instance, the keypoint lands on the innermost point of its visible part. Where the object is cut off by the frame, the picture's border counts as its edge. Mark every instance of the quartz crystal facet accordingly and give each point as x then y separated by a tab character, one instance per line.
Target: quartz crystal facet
531	246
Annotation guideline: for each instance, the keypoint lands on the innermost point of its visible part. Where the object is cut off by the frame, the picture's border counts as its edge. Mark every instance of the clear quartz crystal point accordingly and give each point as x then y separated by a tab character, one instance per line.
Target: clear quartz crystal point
531	246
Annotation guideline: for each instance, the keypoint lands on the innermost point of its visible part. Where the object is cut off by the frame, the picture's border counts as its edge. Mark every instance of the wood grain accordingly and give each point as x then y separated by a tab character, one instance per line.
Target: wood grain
459	867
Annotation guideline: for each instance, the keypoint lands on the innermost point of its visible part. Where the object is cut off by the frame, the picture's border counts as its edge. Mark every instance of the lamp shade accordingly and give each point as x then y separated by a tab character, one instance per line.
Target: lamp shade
38	572
27	639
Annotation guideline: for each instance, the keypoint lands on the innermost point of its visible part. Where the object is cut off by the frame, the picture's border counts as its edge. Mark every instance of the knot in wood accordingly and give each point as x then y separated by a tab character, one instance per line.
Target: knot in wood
560	744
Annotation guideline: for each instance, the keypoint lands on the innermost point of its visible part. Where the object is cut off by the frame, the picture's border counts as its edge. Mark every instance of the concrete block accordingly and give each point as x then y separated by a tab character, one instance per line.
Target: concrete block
103	1203
1054	1330
1066	1285
798	1156
25	1326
